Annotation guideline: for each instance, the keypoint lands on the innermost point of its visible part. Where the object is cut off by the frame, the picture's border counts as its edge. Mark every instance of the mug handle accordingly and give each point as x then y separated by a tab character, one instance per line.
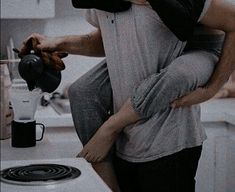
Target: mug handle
43	130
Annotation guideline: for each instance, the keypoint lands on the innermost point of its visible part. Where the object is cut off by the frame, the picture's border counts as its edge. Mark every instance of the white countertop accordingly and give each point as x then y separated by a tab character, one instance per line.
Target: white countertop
60	146
50	118
218	110
57	143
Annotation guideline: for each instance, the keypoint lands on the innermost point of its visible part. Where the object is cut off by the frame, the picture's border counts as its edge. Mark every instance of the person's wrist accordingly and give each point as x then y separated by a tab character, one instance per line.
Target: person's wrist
60	43
212	89
115	124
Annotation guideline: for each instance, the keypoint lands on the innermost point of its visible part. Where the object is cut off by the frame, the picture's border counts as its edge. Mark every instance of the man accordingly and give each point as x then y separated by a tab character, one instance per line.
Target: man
96	148
134	151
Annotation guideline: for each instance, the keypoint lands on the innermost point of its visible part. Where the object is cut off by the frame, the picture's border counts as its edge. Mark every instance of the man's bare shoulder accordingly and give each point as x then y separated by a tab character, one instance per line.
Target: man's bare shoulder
220	15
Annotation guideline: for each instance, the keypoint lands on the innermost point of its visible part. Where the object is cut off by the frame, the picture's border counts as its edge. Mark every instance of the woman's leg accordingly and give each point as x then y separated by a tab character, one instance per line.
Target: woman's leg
154	94
91	104
187	72
91	101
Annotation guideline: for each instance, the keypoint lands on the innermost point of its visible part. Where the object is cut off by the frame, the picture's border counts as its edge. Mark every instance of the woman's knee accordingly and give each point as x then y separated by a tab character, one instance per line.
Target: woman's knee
73	91
80	89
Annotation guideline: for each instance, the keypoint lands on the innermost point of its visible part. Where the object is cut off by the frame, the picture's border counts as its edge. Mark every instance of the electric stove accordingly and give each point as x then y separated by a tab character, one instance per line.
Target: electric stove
58	175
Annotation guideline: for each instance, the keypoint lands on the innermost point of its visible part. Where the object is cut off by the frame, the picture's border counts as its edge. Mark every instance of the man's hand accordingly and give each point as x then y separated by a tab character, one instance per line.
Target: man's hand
227	91
45	48
200	95
40	43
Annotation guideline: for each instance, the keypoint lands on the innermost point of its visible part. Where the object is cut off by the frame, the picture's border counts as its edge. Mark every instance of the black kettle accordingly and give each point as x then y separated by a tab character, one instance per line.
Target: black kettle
37	75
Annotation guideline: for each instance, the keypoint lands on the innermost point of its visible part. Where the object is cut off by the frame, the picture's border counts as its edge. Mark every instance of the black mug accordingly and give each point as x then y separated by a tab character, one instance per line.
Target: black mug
24	133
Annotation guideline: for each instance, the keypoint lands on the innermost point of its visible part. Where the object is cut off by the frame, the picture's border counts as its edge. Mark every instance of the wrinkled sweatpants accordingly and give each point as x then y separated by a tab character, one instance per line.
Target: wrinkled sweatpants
91	95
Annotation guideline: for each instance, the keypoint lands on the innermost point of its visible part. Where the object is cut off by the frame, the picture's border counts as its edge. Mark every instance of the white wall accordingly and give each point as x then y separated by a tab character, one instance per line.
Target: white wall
68	20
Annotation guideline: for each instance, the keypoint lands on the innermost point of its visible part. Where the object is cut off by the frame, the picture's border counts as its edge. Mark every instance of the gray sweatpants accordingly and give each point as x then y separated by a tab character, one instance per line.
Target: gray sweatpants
91	95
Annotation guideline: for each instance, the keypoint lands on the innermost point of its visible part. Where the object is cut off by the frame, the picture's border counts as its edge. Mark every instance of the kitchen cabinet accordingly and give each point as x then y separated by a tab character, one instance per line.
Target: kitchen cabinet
27	9
230	181
216	170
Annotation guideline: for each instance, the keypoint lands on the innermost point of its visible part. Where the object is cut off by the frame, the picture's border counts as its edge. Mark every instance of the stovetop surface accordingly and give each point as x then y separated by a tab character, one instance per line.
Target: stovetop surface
85	181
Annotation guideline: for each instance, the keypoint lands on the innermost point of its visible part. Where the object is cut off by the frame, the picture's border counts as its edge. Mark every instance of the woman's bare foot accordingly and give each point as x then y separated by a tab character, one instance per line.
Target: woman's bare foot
100	144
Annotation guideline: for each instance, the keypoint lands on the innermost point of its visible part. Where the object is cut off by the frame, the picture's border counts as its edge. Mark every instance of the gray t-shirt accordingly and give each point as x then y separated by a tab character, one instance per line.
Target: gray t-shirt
138	44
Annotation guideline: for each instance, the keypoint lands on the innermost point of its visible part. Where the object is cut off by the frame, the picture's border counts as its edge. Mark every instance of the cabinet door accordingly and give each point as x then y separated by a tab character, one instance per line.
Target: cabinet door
27	9
231	160
211	173
216	170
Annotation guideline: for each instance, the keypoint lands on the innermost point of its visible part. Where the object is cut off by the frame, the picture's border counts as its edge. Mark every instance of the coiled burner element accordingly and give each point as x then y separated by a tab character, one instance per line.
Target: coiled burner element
39	174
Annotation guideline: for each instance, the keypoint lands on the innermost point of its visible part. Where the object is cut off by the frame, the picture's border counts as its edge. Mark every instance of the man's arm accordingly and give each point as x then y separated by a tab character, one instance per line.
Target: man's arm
220	15
88	45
